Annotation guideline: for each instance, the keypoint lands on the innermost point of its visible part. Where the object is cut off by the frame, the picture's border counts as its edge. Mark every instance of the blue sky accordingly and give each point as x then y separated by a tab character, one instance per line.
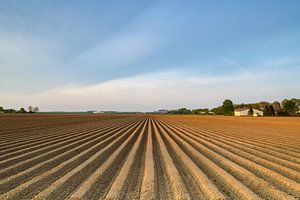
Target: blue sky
146	55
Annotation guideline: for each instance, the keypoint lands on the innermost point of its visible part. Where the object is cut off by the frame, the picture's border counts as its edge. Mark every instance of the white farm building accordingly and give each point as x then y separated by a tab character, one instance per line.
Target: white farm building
245	111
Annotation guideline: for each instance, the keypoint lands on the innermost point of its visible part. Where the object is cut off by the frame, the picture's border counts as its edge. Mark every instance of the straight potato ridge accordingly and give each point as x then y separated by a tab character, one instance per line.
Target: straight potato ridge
143	157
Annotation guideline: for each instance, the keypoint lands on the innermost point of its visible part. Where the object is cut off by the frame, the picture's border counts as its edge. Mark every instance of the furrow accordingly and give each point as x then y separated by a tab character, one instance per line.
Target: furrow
120	185
32	135
278	149
148	190
75	179
92	187
163	187
54	134
250	145
25	150
179	189
278	143
25	175
262	187
205	185
56	172
29	162
227	183
256	158
40	183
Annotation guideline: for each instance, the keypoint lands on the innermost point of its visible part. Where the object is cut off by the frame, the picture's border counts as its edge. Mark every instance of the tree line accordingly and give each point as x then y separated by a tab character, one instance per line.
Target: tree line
31	109
287	107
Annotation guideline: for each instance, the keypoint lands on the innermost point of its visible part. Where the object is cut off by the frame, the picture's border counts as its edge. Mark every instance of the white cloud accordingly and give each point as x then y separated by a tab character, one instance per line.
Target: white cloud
149	92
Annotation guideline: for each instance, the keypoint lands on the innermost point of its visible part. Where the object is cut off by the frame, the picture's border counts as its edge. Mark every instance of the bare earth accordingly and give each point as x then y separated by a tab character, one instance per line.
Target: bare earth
148	157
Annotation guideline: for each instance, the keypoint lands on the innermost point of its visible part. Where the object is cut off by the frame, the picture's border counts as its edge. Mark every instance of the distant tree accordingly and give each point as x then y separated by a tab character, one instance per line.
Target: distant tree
36	109
289	106
196	112
9	111
200	111
184	111
296	101
30	109
268	110
22	110
272	111
277	107
283	102
263	105
255	106
283	113
218	110
227	107
242	105
181	111
250	112
1	108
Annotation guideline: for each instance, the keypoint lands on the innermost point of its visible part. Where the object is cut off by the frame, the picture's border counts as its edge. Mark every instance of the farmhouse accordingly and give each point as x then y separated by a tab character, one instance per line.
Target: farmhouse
245	111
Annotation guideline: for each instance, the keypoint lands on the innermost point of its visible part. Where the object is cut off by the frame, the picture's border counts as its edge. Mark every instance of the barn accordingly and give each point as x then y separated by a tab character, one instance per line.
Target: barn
241	112
245	111
257	113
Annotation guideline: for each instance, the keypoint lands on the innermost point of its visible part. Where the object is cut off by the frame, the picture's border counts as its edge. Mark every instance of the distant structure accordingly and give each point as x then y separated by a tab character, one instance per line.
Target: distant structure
257	113
92	112
161	111
245	112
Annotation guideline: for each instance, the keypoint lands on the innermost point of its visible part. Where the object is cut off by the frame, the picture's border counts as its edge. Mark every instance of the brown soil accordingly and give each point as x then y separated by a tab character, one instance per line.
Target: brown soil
148	157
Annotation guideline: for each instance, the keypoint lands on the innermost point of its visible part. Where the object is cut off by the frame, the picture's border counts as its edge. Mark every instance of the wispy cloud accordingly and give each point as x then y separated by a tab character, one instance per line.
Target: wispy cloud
114	53
198	53
25	60
152	91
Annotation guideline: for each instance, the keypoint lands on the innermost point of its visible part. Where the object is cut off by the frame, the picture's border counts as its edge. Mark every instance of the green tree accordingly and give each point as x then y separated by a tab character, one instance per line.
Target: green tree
277	107
289	106
296	101
227	107
272	111
238	106
181	111
250	112
184	111
218	110
9	111
1	108
200	111
263	105
268	110
36	109
22	110
196	111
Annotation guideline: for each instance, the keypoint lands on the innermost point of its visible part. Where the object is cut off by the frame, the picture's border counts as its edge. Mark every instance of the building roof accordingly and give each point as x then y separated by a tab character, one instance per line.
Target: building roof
257	110
240	109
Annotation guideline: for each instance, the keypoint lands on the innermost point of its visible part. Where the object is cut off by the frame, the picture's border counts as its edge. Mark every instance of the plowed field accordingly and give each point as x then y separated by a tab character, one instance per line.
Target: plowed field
148	157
